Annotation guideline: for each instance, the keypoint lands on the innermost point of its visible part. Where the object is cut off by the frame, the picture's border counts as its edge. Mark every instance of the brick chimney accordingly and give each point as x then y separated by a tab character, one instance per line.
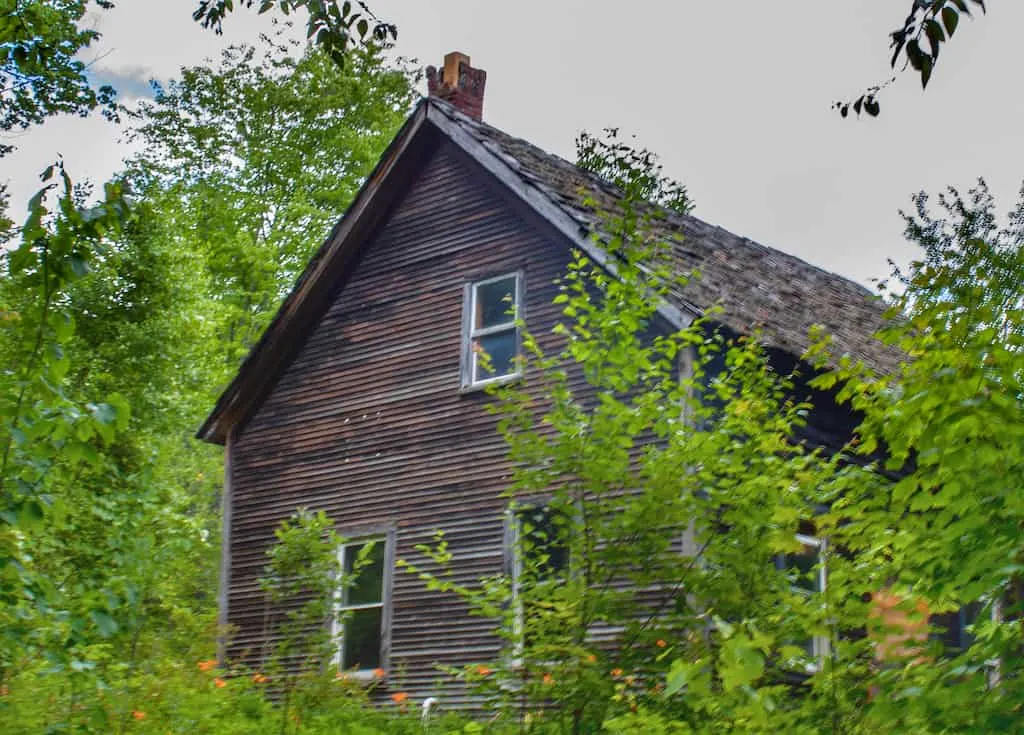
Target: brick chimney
458	83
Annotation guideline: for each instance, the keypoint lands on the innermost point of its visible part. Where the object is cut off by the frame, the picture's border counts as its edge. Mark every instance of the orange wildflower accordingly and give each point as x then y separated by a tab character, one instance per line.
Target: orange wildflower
207	665
591	658
399	697
616	673
548	679
138	715
660	643
259	678
483	670
219	683
379	673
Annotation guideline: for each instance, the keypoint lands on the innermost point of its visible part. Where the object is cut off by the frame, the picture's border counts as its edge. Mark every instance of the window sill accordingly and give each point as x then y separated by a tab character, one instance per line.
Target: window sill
363	678
481	386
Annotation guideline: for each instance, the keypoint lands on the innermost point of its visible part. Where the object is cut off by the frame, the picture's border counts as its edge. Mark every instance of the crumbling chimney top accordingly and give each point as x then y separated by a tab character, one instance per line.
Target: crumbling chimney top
458	83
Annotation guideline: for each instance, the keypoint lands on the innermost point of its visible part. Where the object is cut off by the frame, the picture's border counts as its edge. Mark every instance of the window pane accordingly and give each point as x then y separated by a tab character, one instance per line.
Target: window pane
501	348
495	303
542	540
804	564
362	639
951	628
368	586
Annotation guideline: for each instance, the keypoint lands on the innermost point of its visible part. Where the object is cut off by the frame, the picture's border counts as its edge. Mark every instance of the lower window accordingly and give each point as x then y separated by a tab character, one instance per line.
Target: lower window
807	568
360	620
539	565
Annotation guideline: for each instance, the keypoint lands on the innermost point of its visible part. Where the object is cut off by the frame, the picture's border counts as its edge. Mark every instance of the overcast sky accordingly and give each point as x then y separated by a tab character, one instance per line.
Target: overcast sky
734	94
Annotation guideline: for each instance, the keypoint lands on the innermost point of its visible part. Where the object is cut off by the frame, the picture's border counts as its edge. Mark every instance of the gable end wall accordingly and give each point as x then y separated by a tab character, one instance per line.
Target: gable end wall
369	425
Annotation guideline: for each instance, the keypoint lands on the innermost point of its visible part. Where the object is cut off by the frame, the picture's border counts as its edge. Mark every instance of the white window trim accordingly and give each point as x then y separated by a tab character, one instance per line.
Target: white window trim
470	332
821	646
385	535
513	530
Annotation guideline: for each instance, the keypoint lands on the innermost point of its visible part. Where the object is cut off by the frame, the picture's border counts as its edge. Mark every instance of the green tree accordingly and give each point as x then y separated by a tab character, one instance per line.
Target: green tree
928	26
41	41
226	214
631	169
275	147
47	437
670	584
40	74
946	530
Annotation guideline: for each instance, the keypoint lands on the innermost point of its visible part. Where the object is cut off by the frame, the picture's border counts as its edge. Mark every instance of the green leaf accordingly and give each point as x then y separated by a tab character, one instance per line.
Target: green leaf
950	18
926	71
79	266
30	513
935	36
915	56
742	663
104	622
678	675
122	409
104	413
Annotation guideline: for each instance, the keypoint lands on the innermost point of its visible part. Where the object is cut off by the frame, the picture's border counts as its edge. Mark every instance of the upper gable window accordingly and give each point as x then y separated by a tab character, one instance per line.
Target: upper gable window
491	338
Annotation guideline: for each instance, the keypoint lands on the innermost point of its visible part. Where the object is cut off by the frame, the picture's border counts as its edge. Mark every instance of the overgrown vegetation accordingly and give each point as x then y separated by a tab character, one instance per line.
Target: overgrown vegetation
683	564
751	582
109	515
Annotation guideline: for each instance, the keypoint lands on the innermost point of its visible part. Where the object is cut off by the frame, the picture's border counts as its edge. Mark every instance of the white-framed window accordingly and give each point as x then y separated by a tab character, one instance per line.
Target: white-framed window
491	307
539	558
809	574
361	612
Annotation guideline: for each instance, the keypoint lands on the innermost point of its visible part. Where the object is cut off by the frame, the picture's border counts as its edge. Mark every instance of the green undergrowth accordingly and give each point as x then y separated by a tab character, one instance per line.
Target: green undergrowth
196	698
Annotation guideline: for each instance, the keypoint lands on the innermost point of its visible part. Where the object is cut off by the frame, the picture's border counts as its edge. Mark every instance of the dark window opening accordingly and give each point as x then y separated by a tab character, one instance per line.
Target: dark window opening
360	606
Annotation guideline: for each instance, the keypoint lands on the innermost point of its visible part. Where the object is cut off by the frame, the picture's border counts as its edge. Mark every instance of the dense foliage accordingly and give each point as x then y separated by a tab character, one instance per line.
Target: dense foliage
754	583
40	72
693	567
109	517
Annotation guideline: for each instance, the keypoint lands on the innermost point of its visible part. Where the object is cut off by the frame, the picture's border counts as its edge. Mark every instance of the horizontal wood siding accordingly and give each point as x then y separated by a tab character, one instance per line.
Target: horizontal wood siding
369	425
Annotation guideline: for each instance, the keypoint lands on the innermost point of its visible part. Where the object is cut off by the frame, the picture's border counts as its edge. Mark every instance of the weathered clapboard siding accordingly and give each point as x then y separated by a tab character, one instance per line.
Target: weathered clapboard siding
369	425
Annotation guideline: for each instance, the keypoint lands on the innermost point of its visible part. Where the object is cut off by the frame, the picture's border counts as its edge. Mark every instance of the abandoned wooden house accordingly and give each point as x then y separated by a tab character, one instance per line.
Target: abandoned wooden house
363	396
